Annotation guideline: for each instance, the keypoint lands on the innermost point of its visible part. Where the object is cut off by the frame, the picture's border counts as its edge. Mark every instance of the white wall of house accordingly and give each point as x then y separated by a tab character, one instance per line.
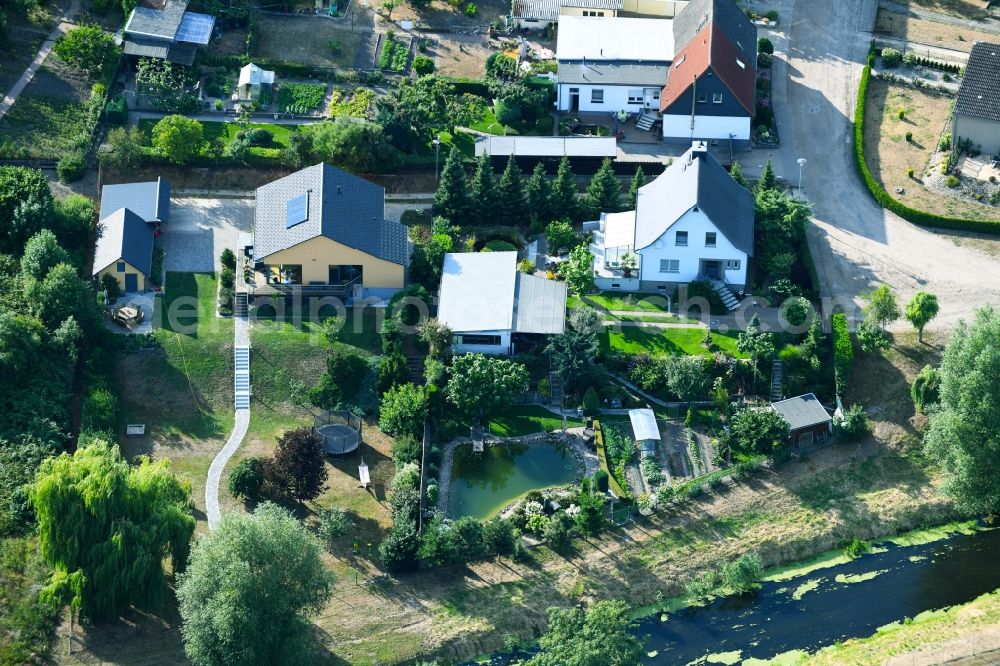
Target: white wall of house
983	133
615	98
658	259
706	127
502	349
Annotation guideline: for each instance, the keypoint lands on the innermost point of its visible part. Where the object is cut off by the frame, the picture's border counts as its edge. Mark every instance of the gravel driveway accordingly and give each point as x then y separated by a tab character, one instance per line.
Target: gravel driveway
199	229
856	244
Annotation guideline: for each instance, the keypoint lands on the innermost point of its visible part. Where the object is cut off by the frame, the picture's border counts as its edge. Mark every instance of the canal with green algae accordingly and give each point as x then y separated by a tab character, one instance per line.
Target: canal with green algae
806	606
483	484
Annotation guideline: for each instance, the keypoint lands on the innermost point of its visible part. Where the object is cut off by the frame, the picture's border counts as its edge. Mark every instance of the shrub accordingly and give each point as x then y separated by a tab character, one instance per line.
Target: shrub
901	113
910	59
227	278
856	547
843	352
772	15
600	481
71	167
526	266
925	388
470	9
764	45
228	259
499	246
891	58
110	284
909	172
742	575
556	533
333	523
591	402
423	65
246	479
909	137
854	425
952	181
116	110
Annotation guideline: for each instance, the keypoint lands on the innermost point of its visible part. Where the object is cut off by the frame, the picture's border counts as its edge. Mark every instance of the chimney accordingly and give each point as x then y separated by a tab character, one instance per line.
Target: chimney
698	149
338	189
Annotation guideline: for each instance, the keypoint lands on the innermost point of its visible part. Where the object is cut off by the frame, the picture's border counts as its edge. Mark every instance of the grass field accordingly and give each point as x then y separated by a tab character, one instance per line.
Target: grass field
43	128
607	300
664	341
967	9
307	41
889	155
526	420
227	131
182	391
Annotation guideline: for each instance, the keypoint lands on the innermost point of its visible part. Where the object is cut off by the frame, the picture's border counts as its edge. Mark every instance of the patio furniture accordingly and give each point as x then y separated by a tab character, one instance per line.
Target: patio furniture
128	315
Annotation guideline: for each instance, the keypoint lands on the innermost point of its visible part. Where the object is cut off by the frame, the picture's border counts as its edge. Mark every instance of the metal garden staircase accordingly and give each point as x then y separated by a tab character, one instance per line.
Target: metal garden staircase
728	299
777	375
241	304
645	120
242	376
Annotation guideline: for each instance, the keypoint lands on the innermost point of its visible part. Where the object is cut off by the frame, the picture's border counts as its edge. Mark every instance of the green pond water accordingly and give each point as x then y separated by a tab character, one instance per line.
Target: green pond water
482	484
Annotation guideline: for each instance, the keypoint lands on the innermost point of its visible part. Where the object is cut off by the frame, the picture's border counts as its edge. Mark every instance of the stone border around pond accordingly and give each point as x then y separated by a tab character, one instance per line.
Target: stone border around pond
574	439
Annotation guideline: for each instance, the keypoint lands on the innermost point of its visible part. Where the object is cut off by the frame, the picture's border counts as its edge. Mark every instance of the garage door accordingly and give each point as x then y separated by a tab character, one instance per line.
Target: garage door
131	282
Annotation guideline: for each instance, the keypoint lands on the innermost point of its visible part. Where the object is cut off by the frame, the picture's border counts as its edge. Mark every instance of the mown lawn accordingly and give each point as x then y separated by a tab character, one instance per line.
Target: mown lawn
616	301
182	390
227	131
664	341
526	420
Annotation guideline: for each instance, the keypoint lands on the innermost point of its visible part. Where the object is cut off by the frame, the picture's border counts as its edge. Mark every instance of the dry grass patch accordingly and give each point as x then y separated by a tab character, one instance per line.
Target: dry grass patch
933	33
890	155
306	40
967	9
459	58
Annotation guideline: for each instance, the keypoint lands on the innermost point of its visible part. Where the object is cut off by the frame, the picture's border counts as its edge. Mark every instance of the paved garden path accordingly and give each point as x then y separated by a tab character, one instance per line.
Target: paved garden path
62	26
241	326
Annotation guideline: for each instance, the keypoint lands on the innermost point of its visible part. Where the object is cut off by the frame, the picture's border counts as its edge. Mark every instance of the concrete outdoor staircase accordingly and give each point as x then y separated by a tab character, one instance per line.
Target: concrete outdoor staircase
645	121
241	304
415	364
777	375
728	299
242	377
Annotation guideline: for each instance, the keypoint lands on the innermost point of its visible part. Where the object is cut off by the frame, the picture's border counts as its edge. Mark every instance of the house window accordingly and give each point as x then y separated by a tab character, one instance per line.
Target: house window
597	95
120	267
682	238
670	265
710	239
732	264
588	13
345	275
484	340
716	98
287	274
635	95
702	98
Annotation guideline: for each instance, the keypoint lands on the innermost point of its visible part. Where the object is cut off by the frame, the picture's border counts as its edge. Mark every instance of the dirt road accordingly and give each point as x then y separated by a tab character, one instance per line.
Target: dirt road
857	244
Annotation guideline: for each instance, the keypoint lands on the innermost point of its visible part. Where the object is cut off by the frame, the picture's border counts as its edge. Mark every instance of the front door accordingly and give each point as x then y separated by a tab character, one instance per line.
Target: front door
131	282
574	99
712	269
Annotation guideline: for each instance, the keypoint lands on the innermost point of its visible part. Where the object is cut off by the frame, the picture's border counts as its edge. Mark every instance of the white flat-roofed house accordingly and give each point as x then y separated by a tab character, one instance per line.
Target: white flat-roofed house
612	64
693	222
487	303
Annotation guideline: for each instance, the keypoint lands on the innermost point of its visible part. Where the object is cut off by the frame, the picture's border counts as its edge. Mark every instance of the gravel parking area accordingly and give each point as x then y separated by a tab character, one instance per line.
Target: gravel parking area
199	229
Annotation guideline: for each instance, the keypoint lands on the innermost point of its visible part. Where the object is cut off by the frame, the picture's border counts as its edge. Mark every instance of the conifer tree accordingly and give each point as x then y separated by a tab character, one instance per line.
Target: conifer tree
767	179
736	171
511	201
484	191
539	193
638	180
564	199
452	198
604	195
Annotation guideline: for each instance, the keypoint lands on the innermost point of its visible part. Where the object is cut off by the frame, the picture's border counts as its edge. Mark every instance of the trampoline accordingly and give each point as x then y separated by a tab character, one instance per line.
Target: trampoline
340	431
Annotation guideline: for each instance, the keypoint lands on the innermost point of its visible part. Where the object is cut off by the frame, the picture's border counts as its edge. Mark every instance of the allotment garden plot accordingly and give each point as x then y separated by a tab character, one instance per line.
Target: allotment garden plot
310	41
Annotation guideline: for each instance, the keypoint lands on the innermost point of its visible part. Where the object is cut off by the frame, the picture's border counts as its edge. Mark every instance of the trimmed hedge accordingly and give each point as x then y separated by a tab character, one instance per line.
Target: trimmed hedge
472	86
843	352
883	197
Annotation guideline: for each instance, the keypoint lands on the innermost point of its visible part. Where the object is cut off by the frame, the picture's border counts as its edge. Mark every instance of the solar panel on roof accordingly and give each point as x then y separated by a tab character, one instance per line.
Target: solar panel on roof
195	28
297	210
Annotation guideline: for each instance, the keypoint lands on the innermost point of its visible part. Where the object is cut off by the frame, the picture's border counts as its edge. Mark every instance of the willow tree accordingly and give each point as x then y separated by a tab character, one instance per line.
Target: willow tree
106	527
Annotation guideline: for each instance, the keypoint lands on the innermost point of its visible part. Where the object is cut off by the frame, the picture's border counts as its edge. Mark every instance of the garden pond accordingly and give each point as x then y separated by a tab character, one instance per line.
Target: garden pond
483	484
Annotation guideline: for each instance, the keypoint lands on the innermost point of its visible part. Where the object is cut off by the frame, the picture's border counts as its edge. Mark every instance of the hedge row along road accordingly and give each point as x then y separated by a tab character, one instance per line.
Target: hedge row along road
855	242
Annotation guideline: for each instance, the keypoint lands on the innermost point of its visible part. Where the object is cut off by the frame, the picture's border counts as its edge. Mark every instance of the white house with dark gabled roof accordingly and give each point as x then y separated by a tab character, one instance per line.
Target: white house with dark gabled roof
693	222
977	110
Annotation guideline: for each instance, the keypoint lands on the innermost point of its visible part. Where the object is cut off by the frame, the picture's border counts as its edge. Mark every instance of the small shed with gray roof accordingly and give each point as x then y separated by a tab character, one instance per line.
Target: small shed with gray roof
807	419
149	200
977	110
124	250
322	229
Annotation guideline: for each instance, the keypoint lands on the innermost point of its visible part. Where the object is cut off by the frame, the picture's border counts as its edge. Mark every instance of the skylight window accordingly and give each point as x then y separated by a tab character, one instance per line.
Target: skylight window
740	63
297	210
679	62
